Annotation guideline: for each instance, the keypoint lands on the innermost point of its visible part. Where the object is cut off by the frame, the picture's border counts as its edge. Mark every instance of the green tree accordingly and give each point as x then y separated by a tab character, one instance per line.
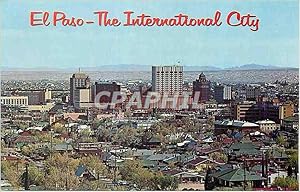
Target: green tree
62	161
96	185
210	122
284	182
60	172
126	136
218	156
28	150
164	182
36	176
46	138
281	140
94	164
13	172
133	171
103	134
56	179
58	128
293	159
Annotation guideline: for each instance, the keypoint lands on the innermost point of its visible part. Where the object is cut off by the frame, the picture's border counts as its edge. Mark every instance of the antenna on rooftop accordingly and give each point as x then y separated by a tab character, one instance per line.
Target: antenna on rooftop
178	62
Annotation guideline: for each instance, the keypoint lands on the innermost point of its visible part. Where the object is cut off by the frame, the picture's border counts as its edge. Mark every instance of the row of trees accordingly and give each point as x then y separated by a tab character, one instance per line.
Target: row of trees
128	136
144	179
59	174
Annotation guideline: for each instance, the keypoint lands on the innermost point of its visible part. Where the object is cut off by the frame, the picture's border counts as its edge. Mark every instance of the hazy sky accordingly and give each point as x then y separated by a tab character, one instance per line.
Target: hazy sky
275	43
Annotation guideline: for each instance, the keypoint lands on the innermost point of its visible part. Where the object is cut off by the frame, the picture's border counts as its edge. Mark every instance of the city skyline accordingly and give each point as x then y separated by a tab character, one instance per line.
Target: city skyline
275	43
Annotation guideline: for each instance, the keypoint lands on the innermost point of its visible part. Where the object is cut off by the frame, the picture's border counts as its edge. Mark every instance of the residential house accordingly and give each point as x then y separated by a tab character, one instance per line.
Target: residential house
233	177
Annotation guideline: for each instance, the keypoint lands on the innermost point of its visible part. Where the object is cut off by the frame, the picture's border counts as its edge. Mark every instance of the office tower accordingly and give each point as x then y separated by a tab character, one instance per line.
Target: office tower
201	85
78	80
105	86
246	111
227	92
82	97
219	93
167	79
222	93
286	110
252	111
252	93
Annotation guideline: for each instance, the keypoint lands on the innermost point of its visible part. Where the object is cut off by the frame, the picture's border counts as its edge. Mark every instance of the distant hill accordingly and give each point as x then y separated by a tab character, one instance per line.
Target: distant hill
119	67
135	67
253	67
201	68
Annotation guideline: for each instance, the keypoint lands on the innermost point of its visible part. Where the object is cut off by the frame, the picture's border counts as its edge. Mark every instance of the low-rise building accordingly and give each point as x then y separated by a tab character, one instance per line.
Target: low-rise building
222	127
40	108
291	123
267	125
14	100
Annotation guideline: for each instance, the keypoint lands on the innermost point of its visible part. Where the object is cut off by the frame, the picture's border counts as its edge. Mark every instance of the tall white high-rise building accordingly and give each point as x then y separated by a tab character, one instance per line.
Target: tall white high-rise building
227	92
167	79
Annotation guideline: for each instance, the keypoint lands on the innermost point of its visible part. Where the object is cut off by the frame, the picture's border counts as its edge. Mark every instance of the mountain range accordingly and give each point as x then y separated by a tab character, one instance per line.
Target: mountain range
135	67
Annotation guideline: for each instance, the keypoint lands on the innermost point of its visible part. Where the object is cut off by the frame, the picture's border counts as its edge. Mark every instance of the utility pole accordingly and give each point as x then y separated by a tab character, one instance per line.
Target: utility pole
115	169
51	142
244	174
67	181
267	175
26	183
263	164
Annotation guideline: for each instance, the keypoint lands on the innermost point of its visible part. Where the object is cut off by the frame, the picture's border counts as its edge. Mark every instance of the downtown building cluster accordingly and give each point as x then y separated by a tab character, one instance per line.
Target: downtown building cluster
239	136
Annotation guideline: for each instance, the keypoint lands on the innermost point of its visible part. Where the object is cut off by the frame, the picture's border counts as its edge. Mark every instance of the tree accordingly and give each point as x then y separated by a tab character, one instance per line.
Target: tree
3	146
293	161
129	168
126	136
58	128
133	171
61	180
210	122
103	134
36	176
288	182
162	129
93	163
281	140
62	161
218	156
13	172
164	182
43	138
60	171
293	158
28	150
96	185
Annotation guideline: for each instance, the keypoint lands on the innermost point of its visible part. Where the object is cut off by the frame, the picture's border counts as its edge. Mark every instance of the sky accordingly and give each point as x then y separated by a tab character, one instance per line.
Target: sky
275	43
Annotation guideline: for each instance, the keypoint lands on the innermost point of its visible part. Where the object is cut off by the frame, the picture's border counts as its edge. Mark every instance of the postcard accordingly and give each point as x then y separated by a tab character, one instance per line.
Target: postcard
149	95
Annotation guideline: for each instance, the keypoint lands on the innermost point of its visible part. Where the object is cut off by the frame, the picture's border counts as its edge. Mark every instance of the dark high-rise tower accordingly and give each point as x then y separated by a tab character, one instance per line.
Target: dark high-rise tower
201	85
219	93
